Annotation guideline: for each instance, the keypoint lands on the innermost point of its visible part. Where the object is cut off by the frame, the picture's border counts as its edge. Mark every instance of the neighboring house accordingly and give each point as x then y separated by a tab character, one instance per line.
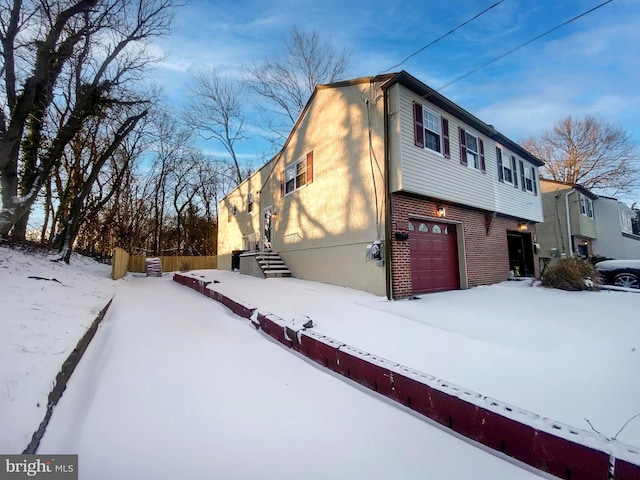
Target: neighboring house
615	239
569	227
386	186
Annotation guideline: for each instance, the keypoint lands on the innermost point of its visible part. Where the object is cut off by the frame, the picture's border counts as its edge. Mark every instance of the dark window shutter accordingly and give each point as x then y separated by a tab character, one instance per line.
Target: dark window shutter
534	181
282	183
514	168
418	125
500	171
522	179
483	167
310	167
463	146
446	149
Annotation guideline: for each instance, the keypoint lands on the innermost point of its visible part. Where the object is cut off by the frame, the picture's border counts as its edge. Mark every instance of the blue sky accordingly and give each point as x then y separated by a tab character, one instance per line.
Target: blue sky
589	67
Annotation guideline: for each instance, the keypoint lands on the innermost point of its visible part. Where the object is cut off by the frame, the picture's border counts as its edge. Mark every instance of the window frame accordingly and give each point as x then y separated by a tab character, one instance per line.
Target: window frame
250	202
475	154
528	180
429	132
424	130
302	163
586	206
307	164
506	163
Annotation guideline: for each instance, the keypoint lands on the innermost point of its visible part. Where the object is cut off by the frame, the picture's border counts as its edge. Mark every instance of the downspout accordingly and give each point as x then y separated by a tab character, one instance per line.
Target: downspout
569	235
387	201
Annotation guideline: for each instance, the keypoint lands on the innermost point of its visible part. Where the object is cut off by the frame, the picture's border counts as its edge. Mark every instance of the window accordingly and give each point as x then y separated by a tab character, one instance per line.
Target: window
232	210
471	150
423	228
508	173
431	130
626	224
473	155
297	175
250	202
586	206
528	178
436	229
507	167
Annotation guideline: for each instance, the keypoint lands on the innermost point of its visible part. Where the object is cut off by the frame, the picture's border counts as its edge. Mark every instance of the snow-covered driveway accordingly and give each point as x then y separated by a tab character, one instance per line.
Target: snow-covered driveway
175	386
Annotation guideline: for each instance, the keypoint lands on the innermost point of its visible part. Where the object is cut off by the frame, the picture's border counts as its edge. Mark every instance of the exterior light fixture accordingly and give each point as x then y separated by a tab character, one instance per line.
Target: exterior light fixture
441	212
523	227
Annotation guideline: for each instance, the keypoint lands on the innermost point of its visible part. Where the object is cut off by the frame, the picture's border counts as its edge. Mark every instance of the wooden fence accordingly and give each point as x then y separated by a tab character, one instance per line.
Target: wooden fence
119	263
123	262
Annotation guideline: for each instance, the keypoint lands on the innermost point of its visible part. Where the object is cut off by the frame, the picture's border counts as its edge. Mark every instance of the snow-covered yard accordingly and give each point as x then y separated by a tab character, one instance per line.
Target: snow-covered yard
171	376
568	356
45	307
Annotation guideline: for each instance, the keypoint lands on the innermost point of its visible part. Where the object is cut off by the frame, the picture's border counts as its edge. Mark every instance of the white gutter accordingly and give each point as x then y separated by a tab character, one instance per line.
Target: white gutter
566	198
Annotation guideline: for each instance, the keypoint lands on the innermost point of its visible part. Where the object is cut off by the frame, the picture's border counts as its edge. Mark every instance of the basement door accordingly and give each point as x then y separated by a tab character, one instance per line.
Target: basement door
434	257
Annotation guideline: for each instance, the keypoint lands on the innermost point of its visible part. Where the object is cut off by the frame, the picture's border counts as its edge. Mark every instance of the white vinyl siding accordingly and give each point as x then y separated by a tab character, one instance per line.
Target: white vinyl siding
424	172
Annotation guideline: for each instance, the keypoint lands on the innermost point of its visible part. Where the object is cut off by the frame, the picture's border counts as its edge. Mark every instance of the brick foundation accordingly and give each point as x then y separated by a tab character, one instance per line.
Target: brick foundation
485	242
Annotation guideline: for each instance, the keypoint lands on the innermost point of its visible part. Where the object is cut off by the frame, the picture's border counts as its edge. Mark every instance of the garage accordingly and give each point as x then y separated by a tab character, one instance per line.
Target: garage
434	256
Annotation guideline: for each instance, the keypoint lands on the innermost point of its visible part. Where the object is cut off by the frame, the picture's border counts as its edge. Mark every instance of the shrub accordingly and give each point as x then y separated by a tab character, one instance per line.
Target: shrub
571	274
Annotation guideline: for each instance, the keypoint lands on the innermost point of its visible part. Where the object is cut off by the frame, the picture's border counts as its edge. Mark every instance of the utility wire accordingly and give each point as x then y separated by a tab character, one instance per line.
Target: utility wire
445	35
509	52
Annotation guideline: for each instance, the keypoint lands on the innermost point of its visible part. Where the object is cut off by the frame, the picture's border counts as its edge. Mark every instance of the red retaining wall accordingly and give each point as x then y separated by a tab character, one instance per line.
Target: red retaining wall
549	446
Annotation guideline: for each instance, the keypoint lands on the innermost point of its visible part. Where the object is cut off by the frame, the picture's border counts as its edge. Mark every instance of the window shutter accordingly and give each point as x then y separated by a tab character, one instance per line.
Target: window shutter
534	181
514	168
282	184
446	150
483	167
310	167
522	179
418	125
463	146
500	171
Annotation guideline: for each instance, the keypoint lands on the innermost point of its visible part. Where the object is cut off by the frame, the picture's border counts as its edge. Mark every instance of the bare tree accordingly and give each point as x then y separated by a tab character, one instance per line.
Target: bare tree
287	80
588	152
171	146
81	210
65	62
215	111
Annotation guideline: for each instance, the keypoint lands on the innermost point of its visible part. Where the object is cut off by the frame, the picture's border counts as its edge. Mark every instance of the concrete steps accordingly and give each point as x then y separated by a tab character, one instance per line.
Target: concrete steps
272	265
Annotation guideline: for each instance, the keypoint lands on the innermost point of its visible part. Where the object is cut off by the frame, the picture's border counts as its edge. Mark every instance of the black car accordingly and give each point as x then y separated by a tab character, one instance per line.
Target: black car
622	273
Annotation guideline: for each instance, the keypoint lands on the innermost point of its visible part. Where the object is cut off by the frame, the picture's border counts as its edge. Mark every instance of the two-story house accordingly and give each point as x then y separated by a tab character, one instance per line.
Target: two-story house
385	185
569	227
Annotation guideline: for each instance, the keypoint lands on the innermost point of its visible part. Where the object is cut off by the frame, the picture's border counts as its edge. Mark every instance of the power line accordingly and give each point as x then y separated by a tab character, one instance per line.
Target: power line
445	35
509	52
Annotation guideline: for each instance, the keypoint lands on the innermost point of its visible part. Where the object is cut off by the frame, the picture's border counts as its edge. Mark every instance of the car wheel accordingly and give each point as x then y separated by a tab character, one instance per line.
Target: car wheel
628	280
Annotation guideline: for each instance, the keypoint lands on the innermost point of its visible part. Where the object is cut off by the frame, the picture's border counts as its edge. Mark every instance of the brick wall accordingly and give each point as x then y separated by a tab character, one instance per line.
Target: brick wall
485	241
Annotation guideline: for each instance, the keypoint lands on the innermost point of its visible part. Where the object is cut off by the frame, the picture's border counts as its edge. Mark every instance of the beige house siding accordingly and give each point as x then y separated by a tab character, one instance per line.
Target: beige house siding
322	229
428	173
233	227
554	232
